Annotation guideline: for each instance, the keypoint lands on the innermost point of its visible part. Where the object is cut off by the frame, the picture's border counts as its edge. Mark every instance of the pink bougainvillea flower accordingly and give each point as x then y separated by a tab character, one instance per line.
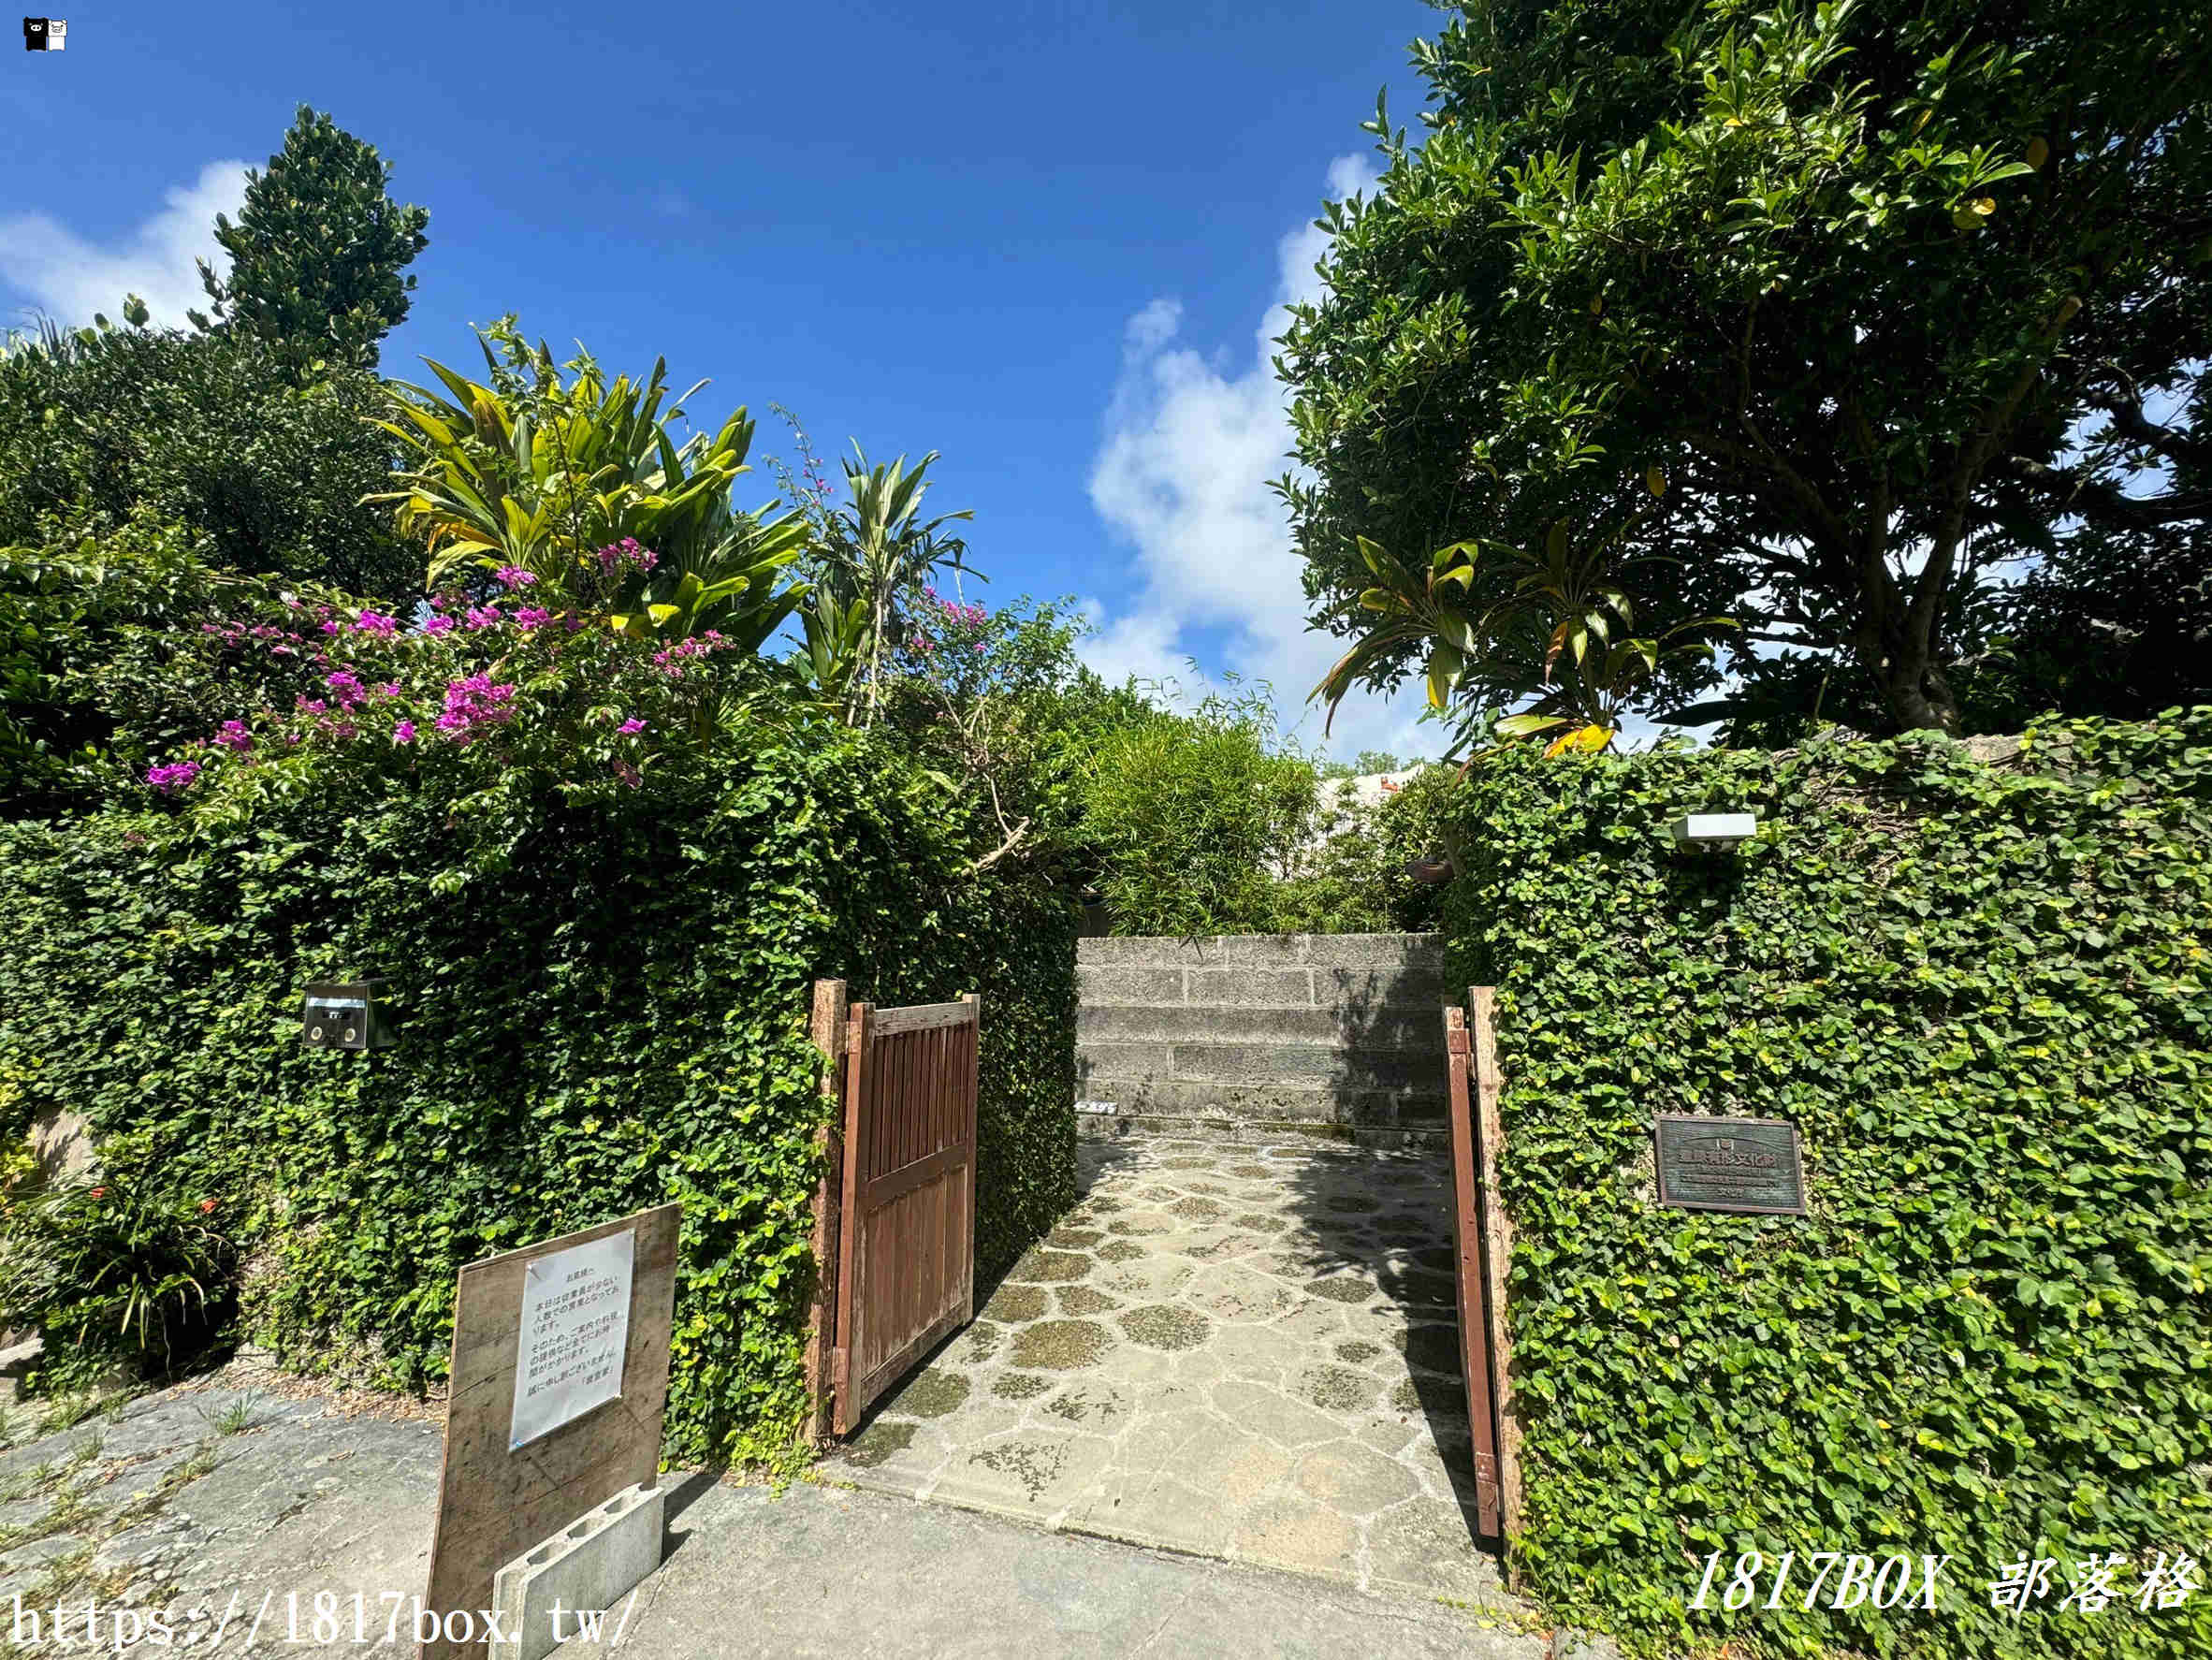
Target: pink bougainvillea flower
234	738
376	622
438	625
629	774
177	775
530	616
329	628
403	732
389	689
346	686
310	705
515	575
485	617
631	725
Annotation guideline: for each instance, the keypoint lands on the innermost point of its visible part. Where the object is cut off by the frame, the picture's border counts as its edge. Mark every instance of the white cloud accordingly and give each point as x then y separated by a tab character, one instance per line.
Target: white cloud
70	278
1183	474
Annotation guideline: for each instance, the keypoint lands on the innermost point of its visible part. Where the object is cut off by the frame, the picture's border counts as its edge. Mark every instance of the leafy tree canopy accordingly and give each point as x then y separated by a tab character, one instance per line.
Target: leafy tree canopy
318	249
206	432
1866	299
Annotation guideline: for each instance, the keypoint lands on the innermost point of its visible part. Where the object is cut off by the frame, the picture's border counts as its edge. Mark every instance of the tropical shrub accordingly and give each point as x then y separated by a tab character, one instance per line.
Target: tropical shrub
1191	815
126	645
112	1267
579	484
599	875
206	432
1980	992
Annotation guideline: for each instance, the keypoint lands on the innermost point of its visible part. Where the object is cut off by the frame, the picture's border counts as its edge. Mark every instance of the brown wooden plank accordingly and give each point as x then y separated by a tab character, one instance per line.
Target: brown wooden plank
972	1055
1471	1277
1489	1146
920	1017
855	1240
493	1503
828	1031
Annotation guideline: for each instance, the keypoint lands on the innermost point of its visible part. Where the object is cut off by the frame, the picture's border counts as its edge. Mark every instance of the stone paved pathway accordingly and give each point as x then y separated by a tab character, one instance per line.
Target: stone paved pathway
1239	1351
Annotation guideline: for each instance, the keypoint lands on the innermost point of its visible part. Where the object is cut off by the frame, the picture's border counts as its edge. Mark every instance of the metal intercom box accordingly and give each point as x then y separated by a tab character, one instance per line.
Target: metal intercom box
345	1014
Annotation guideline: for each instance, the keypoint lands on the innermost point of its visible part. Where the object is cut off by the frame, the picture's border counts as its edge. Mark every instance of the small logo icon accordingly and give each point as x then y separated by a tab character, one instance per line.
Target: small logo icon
45	33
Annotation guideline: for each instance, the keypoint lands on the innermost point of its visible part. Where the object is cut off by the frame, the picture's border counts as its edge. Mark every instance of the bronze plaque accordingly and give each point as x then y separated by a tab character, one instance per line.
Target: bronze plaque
1730	1164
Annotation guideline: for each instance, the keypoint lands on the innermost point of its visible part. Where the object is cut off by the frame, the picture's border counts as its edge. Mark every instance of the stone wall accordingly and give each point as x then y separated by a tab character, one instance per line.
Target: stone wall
1258	1035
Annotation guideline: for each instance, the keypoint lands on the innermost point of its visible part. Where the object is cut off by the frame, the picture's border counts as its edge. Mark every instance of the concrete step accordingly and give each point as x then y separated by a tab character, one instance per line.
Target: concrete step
1359	992
1289	1101
1409	1025
1435	1143
1303	1064
1266	951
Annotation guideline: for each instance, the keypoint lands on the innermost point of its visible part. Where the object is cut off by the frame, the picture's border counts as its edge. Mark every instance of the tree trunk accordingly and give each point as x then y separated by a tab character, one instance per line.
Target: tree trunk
1916	691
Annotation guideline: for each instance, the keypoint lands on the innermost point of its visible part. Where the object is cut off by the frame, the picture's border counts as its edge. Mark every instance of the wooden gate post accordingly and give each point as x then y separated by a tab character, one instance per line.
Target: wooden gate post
1497	1229
1471	1277
828	1031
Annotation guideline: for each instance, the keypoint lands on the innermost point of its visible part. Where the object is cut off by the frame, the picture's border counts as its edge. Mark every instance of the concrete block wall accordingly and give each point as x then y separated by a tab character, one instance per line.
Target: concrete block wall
1258	1035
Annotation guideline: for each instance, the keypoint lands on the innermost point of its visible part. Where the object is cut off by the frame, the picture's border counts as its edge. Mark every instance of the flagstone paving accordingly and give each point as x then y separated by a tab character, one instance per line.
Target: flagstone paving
1249	1352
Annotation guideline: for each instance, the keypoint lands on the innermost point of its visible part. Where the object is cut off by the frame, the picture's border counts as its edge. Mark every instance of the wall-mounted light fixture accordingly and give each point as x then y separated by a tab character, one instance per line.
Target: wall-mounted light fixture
1712	831
345	1014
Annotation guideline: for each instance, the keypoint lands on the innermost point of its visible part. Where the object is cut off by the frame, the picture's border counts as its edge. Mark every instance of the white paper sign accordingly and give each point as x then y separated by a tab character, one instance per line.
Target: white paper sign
575	1323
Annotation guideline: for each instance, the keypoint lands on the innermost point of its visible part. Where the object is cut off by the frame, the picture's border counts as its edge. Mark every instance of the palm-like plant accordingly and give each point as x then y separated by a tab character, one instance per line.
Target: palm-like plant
1501	626
540	474
880	550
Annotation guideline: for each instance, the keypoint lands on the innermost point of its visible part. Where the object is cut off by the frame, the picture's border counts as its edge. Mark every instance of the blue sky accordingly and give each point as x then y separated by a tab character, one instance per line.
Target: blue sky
1047	241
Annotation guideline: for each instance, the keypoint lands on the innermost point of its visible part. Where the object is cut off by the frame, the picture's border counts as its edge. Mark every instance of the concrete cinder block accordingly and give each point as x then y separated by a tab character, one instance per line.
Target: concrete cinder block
1343	1069
1275	988
1377	950
1129	985
1102	1061
1358	993
592	1564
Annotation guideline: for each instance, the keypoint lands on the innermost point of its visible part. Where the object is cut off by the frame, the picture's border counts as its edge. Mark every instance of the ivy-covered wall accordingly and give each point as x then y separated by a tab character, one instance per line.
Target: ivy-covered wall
1979	989
615	1019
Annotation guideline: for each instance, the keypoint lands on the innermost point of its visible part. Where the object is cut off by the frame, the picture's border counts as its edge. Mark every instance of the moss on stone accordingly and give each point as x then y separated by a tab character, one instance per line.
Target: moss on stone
879	1442
1342	1287
1406	1397
1260	1222
1033	1464
1162	1326
1073	1239
1083	1299
1016	1304
933	1394
1059	1346
1358	1351
1041	1267
1253	1172
1336	1389
1020	1386
1198	1210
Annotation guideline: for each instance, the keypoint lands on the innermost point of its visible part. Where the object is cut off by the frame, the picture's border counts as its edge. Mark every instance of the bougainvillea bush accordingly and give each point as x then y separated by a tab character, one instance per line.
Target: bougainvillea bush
1980	991
598	876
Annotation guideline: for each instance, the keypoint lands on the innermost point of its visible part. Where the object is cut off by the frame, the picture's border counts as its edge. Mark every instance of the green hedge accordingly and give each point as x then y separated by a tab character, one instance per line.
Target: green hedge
1980	991
614	1016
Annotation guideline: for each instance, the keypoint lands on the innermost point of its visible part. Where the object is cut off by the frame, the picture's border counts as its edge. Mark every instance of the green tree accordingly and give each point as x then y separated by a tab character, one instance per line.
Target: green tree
206	432
317	253
1868	299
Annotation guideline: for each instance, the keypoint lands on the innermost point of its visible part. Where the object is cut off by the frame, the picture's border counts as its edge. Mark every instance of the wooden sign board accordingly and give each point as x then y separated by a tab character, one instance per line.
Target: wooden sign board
578	1445
1730	1164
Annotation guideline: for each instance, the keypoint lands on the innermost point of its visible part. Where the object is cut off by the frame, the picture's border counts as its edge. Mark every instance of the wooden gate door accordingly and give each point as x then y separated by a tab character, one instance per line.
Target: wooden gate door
905	1250
1482	1240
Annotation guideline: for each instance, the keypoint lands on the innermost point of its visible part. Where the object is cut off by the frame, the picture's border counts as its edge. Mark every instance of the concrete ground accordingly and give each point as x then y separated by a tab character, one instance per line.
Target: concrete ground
238	1512
1241	1352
